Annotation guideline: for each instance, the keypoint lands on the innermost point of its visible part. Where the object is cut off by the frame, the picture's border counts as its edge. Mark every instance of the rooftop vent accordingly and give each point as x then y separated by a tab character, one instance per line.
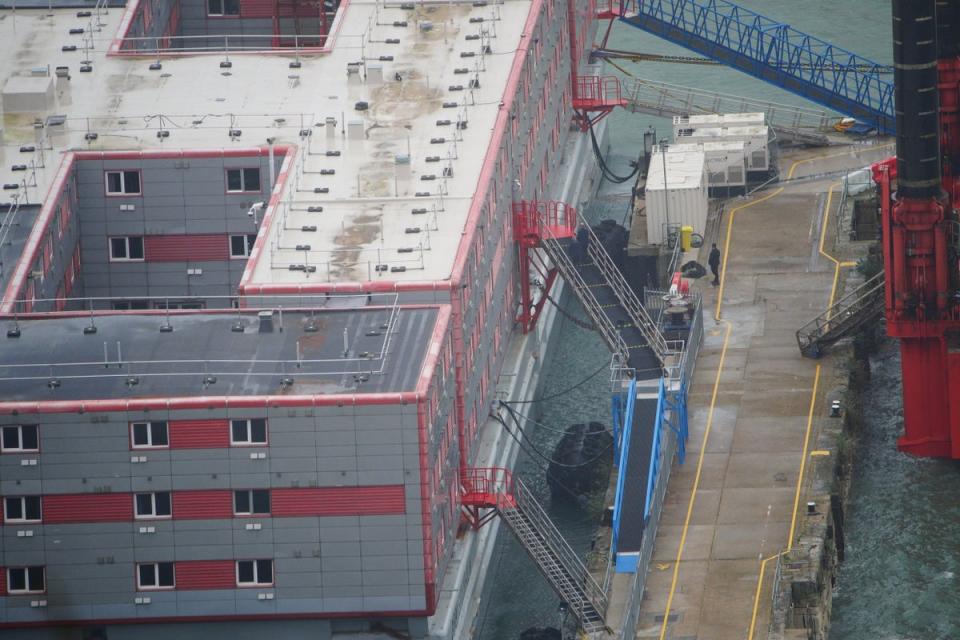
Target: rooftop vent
266	321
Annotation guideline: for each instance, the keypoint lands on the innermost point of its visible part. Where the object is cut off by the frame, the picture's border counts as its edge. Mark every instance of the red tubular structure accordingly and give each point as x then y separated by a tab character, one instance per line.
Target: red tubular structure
919	223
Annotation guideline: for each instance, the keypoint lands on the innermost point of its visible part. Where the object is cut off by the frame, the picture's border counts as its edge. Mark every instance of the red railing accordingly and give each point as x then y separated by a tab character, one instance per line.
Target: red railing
534	220
485	486
595	92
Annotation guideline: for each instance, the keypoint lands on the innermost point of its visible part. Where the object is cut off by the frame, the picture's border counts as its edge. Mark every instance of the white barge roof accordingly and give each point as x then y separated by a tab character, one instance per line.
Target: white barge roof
685	170
368	213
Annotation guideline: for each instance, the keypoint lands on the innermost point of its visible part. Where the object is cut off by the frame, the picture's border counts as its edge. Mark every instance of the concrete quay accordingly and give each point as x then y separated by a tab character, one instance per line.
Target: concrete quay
754	404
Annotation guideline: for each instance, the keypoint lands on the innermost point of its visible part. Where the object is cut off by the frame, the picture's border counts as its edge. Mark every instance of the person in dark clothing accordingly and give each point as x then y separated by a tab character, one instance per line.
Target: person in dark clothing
714	262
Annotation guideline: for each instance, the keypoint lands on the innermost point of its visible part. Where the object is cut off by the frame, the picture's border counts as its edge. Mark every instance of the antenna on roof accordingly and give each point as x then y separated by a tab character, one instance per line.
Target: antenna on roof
166	327
14	330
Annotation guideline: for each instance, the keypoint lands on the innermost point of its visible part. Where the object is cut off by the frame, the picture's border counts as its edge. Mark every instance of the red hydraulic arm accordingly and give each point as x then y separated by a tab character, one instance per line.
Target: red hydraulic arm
919	223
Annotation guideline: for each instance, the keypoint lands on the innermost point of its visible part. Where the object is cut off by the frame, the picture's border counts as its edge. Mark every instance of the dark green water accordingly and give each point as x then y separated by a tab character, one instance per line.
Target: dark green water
898	581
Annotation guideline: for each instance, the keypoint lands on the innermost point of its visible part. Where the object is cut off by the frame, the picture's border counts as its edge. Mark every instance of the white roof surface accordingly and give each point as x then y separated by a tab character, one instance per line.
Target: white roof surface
684	170
369	206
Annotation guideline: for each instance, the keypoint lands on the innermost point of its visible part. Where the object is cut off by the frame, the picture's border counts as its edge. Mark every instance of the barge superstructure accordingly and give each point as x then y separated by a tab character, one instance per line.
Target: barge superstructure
260	284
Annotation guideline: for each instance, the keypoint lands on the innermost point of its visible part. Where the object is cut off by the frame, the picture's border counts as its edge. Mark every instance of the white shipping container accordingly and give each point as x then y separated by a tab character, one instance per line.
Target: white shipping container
726	161
755	137
681	198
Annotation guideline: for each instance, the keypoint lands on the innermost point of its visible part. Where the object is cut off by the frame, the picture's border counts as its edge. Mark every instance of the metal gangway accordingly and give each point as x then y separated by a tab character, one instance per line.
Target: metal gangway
501	494
771	51
609	301
862	305
791	123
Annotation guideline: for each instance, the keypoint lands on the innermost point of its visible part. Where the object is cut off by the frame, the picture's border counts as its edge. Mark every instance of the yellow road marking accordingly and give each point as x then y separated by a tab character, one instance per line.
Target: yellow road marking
756	595
696	481
803	457
819	452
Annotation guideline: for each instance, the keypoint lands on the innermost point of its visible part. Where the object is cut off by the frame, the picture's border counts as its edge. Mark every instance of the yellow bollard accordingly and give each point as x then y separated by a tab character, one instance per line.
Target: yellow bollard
686	235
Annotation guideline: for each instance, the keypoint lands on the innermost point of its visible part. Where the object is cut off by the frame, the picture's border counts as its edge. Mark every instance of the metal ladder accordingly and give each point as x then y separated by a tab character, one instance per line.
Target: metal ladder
559	563
862	305
795	124
615	280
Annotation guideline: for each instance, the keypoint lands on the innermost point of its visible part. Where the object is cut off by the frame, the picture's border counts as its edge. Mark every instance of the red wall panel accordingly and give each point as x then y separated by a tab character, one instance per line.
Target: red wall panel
186	248
87	507
256	8
264	9
338	501
202	505
205	574
3	581
199	434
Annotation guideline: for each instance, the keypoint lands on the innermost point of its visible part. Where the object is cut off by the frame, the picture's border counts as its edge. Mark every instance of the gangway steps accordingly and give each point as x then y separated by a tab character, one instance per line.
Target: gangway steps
609	301
773	52
862	305
498	489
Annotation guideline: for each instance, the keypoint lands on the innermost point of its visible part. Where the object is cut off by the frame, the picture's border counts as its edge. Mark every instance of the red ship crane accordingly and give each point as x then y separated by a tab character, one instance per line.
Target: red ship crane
919	223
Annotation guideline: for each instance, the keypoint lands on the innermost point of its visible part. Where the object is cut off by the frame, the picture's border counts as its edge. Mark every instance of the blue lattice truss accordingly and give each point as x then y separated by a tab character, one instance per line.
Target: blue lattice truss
773	52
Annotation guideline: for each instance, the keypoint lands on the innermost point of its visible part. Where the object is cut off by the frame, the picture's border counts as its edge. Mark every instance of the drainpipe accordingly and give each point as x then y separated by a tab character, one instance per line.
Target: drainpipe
273	169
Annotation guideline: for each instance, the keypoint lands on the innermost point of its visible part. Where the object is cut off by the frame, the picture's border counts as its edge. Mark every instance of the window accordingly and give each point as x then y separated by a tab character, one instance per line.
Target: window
254	573
19	437
248	432
123	183
25	580
242	245
180	304
252	502
223	7
129	305
243	180
149	434
126	248
152	505
155	575
22	509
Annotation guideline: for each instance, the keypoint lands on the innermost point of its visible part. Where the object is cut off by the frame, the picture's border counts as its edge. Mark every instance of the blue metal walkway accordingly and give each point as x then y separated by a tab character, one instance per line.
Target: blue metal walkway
771	51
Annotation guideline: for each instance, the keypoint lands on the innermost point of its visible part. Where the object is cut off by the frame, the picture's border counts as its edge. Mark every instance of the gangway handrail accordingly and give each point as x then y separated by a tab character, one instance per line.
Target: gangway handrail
840	311
627	297
664	99
609	333
564	553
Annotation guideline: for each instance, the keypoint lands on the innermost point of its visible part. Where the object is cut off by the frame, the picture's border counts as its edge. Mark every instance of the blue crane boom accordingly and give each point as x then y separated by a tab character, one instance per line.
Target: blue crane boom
773	52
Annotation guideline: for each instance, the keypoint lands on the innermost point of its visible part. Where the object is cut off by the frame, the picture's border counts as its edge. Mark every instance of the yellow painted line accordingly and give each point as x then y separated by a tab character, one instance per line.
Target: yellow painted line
696	482
819	452
726	243
756	595
826	221
803	457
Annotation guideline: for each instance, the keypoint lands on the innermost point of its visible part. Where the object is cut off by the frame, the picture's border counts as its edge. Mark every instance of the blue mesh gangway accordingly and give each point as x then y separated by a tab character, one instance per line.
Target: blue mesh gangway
771	51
